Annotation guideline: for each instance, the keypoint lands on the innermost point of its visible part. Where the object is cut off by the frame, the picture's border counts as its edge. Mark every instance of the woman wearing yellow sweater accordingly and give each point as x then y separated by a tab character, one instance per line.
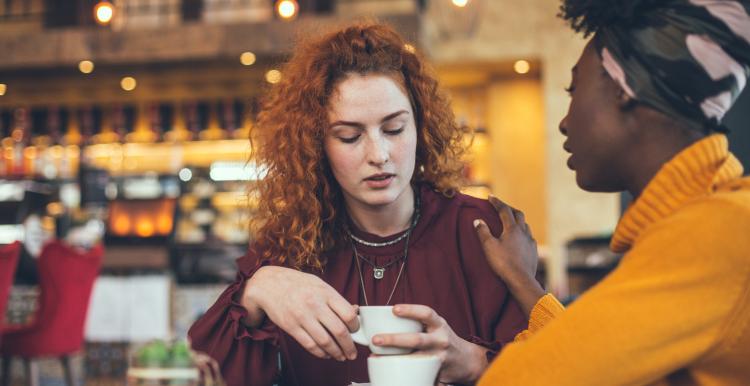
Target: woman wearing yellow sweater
648	96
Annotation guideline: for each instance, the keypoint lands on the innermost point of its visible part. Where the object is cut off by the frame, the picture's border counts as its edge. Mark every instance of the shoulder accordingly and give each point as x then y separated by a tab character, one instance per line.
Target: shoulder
725	209
457	202
462	210
473	204
716	226
472	208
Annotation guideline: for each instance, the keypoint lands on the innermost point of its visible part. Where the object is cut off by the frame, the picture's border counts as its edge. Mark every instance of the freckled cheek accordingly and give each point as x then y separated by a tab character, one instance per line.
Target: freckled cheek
345	162
404	153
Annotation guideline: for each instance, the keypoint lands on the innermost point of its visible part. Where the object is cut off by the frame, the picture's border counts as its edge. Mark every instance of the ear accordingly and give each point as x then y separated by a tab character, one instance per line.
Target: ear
624	101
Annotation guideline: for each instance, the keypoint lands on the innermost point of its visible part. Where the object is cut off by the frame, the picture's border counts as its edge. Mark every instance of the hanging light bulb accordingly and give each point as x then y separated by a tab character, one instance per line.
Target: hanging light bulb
273	76
103	12
247	58
128	83
86	66
287	9
522	67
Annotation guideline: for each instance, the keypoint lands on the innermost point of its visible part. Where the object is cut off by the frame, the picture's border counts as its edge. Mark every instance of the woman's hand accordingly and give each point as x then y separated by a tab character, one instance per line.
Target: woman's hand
513	256
461	361
304	306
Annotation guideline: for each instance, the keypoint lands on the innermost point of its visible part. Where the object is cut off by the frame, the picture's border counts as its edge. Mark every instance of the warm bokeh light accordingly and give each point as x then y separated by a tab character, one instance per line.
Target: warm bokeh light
55	208
121	225
273	76
410	48
103	12
86	66
247	58
30	152
3	88
128	83
522	67
287	9
17	135
164	224
57	151
145	218
144	227
460	3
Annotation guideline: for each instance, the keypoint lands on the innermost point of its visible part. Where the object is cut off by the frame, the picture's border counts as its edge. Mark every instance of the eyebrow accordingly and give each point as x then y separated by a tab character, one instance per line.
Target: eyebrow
362	126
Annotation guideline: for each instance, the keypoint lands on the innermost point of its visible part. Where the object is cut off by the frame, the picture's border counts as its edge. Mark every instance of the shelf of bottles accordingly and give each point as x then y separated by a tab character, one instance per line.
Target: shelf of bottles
170	177
51	142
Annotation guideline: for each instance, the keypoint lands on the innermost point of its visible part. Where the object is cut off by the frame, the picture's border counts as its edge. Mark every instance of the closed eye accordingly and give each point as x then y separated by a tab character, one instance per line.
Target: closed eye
394	132
349	139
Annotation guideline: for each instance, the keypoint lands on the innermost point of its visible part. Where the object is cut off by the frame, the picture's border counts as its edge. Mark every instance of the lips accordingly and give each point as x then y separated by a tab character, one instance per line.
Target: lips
570	163
566	147
379	177
379	181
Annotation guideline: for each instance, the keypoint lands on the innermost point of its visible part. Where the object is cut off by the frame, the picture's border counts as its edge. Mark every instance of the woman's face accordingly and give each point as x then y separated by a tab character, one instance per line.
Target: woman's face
598	139
371	141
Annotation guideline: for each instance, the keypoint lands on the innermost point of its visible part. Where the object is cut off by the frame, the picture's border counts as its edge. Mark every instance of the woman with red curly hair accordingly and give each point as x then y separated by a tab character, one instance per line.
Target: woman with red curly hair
358	207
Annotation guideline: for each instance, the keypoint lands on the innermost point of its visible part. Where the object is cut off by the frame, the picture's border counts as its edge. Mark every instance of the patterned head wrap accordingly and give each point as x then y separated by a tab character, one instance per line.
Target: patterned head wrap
686	58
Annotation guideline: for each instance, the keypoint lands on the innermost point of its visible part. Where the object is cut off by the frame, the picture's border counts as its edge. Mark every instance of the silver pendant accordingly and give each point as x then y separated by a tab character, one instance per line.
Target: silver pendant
378	273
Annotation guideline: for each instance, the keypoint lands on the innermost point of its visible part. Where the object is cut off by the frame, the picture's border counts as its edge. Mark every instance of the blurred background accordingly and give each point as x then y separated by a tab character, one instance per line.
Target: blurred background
125	123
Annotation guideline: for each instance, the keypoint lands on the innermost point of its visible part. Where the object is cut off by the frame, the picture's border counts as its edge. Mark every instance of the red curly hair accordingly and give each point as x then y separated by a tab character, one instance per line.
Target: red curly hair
300	209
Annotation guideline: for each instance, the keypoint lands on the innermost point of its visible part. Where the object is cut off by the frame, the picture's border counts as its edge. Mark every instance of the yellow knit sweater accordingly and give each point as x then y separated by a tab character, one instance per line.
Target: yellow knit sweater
676	311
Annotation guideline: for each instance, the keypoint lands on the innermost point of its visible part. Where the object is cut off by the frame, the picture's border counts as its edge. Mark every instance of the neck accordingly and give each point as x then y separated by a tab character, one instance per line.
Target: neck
654	152
383	220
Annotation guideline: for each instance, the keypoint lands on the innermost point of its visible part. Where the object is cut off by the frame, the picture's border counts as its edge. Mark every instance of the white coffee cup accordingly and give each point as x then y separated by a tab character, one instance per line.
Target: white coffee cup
403	370
374	320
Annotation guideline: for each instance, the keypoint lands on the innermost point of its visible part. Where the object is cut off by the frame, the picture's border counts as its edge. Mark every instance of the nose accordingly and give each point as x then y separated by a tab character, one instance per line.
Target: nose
377	151
563	126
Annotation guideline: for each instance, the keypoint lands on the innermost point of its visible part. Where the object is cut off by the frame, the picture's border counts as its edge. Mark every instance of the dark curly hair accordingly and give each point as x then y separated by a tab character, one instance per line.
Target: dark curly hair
589	16
300	205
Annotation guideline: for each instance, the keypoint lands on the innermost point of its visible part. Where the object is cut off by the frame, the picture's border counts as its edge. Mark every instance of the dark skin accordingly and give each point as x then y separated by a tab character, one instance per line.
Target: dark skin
616	144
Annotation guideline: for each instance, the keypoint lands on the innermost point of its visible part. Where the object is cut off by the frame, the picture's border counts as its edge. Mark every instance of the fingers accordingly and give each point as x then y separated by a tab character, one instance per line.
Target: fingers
420	341
342	338
346	312
505	212
208	369
324	340
420	313
519	218
483	231
206	376
433	339
308	343
215	369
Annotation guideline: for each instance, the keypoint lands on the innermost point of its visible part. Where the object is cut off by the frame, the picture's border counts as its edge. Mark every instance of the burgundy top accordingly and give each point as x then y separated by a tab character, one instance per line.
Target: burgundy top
446	270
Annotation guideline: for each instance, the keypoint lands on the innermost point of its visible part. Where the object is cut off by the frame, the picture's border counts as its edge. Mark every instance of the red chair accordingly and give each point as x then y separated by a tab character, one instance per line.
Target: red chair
8	261
66	277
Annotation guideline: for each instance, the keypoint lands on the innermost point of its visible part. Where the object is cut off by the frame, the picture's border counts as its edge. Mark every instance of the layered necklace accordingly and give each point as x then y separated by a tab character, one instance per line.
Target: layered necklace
378	272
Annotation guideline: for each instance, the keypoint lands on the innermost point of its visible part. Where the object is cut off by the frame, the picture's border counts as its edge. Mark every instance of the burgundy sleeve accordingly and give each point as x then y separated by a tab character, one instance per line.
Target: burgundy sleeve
247	357
499	317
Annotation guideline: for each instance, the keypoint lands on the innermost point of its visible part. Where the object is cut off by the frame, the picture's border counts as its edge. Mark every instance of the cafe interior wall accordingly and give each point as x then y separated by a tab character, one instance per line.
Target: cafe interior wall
523	114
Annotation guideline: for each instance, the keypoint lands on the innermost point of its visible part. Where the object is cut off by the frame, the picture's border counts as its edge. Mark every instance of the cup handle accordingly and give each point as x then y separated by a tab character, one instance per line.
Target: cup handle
359	335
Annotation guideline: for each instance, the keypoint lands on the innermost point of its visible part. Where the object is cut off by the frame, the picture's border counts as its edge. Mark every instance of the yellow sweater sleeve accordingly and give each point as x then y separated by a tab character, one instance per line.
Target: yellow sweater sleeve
544	311
666	305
